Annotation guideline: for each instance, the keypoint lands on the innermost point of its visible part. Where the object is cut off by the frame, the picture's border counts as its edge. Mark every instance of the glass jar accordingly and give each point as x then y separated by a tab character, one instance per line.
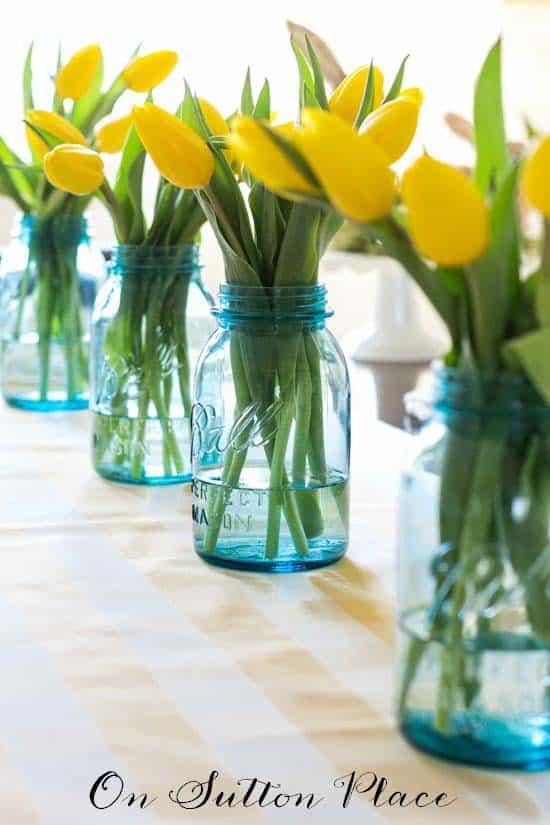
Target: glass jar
474	572
271	434
150	322
48	279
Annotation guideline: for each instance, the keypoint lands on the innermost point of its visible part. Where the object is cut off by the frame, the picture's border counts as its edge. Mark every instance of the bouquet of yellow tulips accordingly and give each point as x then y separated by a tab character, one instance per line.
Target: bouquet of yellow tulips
140	365
459	238
273	241
47	300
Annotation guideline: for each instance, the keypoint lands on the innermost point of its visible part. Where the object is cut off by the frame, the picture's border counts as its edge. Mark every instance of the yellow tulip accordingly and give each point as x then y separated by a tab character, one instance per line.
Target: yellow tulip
180	155
56	125
448	217
110	137
346	98
264	160
146	72
76	76
353	171
214	120
74	168
393	126
535	183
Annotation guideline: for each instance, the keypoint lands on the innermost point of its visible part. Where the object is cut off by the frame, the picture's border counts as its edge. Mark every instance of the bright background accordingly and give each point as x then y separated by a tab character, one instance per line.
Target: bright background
447	40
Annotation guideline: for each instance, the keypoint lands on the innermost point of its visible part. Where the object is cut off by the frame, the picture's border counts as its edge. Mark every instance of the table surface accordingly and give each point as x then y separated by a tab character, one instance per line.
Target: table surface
122	651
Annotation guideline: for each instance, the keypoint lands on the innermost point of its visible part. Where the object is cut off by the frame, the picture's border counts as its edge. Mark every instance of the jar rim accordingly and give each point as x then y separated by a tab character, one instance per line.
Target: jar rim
302	303
125	259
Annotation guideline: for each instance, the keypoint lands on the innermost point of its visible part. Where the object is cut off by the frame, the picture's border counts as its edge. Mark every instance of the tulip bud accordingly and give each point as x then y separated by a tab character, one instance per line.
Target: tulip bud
346	99
180	155
448	217
393	126
353	171
56	125
146	72
535	183
414	93
76	76
264	159
110	137
74	168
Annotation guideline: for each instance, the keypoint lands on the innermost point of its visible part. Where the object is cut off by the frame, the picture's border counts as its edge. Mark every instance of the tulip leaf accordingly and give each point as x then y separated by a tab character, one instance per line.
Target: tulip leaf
298	260
247	98
530	353
395	87
163	215
367	101
237	269
132	149
269	225
308	98
134	183
10	190
262	109
57	102
84	107
318	77
28	100
305	75
23	178
489	131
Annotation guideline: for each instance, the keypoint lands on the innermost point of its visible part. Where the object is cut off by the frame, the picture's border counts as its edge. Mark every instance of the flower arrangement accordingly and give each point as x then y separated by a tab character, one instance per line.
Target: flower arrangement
459	238
276	240
48	289
146	343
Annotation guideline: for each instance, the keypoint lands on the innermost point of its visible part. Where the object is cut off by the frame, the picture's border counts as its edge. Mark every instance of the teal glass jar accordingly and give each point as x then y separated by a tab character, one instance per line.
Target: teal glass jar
271	434
48	279
150	322
474	572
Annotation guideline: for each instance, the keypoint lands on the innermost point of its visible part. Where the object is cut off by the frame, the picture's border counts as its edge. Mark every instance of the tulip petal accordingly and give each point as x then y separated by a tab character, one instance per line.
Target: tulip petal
393	126
54	123
110	137
76	76
448	217
535	183
346	99
149	70
73	168
252	146
353	171
180	155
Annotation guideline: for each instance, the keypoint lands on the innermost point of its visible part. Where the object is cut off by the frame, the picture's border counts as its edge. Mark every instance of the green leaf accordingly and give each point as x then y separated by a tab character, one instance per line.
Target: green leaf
308	98
22	177
237	269
530	353
135	184
133	148
367	101
318	77
57	102
269	225
298	261
489	130
305	75
395	87
8	188
28	100
247	99
262	109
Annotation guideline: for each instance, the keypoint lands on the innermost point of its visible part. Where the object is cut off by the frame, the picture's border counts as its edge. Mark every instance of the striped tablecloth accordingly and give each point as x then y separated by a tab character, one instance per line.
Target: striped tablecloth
121	651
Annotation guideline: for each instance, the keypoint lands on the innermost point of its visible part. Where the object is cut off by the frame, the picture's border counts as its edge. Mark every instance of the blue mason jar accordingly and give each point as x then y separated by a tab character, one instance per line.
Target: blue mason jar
151	319
48	279
271	433
474	572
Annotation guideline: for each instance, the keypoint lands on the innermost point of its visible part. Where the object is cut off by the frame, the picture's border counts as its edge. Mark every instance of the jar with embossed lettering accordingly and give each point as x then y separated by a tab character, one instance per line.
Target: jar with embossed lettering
271	433
150	322
474	571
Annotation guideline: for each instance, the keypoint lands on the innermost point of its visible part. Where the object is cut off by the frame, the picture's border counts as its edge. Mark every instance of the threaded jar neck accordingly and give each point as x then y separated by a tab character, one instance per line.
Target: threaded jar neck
303	306
500	393
141	260
55	231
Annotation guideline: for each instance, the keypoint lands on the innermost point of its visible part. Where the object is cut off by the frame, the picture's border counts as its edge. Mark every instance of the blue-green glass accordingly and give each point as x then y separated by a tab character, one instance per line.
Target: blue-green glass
48	279
271	434
151	320
474	573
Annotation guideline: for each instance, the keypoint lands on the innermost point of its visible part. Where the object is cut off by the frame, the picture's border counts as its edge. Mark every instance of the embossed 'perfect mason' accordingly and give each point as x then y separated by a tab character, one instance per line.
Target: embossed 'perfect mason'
271	433
474	572
48	279
151	320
